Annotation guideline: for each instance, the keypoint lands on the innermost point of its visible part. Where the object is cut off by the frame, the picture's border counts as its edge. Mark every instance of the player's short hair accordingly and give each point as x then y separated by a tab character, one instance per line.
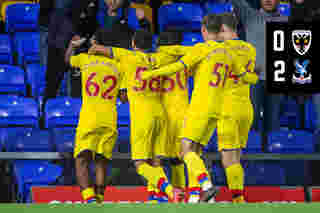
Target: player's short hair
170	37
212	22
143	39
111	38
230	20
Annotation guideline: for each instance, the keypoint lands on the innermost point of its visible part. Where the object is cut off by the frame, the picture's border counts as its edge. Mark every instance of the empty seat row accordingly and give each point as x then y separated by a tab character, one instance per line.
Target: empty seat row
31	82
21	17
58	112
188	16
282	141
26	45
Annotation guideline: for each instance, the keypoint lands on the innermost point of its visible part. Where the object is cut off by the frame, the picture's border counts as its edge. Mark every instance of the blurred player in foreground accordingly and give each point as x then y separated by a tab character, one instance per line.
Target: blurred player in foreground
210	63
237	111
97	127
175	99
148	118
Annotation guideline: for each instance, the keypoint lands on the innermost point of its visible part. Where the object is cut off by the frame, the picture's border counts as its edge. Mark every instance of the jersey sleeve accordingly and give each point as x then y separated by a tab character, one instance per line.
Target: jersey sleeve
246	73
165	70
75	60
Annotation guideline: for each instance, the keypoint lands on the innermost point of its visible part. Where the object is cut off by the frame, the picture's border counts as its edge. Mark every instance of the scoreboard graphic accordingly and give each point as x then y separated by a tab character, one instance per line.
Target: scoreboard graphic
291	59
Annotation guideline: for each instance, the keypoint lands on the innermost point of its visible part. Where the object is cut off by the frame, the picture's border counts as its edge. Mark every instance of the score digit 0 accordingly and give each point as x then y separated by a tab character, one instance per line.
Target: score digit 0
278	46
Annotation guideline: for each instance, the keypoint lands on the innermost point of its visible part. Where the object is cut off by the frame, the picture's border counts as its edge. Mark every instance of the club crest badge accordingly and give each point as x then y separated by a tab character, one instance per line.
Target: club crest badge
301	74
301	41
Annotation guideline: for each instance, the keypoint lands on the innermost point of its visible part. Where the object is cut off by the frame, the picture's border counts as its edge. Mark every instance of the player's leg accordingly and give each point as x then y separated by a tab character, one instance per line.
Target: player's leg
101	165
178	176
197	172
229	146
83	154
142	148
161	151
105	145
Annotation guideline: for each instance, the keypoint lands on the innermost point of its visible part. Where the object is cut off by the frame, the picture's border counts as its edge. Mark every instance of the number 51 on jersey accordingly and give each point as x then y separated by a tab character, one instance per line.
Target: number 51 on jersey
289	58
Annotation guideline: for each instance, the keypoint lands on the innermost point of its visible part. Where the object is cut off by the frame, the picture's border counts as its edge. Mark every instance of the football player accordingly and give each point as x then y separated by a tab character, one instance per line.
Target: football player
97	128
148	118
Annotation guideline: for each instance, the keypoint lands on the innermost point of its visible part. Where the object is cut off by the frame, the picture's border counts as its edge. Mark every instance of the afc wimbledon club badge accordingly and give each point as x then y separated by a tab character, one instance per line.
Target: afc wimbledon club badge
301	74
301	41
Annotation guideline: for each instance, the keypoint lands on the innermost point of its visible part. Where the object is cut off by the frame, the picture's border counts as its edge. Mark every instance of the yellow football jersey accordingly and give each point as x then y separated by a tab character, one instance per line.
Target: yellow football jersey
101	79
211	63
244	59
175	86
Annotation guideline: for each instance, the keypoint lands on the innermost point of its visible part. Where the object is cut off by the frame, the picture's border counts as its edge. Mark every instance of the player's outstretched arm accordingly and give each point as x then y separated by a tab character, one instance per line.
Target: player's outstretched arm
72	46
166	70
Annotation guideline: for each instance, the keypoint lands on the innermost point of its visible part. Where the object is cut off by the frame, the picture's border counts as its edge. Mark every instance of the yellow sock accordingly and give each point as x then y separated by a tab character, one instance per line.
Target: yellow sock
100	198
194	189
235	179
152	192
197	170
89	195
178	178
156	177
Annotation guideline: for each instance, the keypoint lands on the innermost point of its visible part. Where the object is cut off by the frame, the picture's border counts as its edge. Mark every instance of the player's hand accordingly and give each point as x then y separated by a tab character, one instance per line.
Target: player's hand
73	42
97	49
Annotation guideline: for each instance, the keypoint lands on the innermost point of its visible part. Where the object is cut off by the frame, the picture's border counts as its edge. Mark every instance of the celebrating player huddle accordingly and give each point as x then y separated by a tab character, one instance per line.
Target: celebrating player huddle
164	125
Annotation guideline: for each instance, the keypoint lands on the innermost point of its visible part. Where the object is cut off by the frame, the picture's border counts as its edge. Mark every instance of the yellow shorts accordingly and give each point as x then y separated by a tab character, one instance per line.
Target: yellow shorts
233	130
199	129
148	137
100	141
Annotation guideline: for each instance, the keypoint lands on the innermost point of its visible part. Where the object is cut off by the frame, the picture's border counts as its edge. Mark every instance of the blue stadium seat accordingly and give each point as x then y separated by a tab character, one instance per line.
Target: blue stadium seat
310	116
29	140
64	139
218	175
284	9
18	111
290	116
264	173
12	80
256	173
254	144
180	16
6	53
123	142
154	42
217	7
30	173
22	17
63	90
290	142
123	110
123	127
62	112
190	39
36	79
27	46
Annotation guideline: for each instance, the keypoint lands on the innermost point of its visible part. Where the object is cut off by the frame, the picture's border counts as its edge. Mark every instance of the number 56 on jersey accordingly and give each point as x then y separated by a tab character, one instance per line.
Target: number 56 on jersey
290	59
